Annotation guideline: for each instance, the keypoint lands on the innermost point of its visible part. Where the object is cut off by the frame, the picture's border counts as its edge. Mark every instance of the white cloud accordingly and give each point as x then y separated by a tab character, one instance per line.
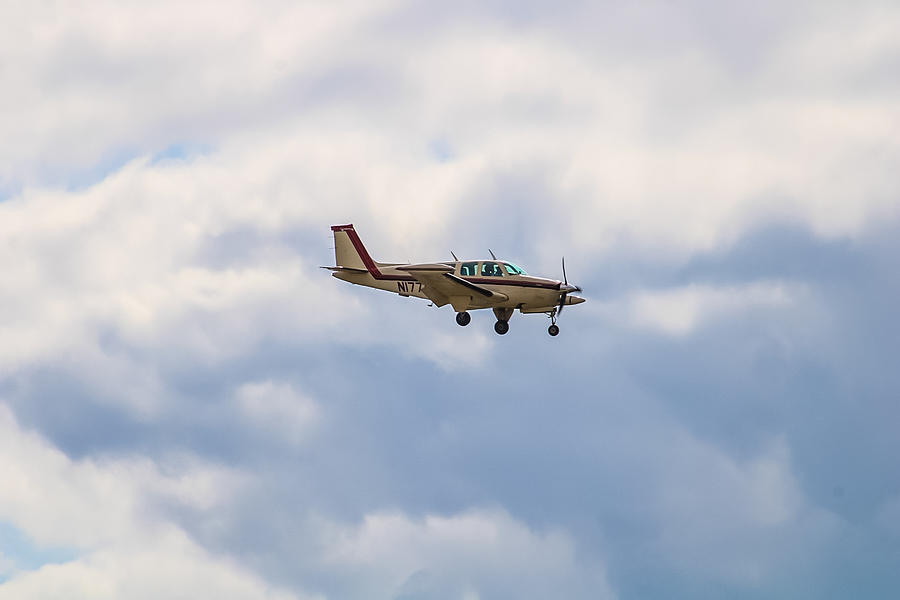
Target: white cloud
168	566
279	408
104	510
681	310
454	350
475	553
668	150
733	520
760	492
125	257
92	81
90	503
131	255
654	150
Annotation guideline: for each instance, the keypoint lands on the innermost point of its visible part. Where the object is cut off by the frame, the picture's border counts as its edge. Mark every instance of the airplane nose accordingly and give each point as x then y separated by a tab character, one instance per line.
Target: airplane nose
573	300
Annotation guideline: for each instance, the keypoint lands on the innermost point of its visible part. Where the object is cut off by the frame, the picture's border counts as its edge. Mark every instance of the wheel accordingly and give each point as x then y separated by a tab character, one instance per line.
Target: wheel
501	327
553	330
463	318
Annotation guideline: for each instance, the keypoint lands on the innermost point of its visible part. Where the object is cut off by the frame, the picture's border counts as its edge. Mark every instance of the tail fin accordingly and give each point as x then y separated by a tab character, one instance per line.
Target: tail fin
349	251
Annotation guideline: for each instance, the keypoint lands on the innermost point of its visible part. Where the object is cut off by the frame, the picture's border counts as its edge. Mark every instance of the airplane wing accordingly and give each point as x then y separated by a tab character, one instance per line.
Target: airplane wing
442	286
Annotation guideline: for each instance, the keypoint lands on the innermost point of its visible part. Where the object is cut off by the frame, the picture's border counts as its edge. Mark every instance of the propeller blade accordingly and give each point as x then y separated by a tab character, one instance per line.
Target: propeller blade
565	285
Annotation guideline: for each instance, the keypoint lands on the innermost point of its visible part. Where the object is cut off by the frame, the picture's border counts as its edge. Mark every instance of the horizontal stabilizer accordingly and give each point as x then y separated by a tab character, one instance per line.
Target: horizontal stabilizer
345	269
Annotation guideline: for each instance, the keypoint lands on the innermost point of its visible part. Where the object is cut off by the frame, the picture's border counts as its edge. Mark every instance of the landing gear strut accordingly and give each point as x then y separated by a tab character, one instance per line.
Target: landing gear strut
553	330
503	315
463	318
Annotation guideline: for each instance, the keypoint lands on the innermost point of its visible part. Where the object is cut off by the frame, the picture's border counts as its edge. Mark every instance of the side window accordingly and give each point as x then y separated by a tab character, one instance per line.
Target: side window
468	269
491	269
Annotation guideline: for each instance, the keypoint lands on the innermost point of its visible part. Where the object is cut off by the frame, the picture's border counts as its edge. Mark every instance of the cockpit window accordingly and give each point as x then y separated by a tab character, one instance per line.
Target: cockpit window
514	269
468	269
491	269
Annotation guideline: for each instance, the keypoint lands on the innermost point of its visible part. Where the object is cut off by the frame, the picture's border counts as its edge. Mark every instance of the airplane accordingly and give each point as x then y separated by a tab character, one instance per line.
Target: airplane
464	284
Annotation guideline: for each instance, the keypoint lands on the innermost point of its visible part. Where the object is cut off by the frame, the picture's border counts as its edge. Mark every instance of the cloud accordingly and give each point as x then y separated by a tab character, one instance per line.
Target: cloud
476	554
6	566
680	311
163	568
97	83
194	397
278	408
453	351
105	509
722	517
655	148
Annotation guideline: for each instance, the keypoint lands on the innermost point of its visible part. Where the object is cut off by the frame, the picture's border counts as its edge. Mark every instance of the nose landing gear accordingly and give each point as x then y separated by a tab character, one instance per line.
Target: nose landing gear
501	327
553	330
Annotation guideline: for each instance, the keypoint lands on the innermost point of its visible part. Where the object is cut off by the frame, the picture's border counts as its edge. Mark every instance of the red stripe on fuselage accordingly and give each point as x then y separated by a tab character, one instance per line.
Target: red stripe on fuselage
499	281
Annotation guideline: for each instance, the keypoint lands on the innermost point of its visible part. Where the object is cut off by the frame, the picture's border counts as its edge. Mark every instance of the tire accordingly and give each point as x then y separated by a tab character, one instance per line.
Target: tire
463	318
553	330
501	327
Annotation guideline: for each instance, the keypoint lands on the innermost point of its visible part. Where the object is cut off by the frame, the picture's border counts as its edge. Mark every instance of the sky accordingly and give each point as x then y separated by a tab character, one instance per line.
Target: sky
191	408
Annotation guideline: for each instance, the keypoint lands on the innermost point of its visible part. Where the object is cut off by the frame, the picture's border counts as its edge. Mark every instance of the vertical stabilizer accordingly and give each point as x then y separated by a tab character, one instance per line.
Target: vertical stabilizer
349	251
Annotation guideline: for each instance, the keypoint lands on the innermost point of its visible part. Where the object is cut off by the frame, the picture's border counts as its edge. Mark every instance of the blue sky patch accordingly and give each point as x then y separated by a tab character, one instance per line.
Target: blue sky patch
24	554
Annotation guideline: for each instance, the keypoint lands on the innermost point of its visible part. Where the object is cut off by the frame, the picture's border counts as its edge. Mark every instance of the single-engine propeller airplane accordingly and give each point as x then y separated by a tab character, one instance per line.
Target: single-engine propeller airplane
463	284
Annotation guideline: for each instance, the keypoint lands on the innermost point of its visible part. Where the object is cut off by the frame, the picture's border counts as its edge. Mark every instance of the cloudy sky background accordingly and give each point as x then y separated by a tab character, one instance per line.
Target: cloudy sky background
189	407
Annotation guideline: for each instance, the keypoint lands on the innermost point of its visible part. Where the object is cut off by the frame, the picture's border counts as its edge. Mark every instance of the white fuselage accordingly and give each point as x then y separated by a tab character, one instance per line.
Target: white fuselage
525	292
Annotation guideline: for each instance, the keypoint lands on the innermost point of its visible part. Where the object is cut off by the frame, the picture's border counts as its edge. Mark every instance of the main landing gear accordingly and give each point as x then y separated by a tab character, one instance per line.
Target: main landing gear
502	324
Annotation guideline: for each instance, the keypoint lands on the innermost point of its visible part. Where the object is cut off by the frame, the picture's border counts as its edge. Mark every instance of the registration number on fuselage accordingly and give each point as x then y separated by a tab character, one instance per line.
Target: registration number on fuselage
409	287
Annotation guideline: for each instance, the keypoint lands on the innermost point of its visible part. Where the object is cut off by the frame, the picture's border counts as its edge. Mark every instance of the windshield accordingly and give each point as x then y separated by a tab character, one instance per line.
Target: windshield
514	269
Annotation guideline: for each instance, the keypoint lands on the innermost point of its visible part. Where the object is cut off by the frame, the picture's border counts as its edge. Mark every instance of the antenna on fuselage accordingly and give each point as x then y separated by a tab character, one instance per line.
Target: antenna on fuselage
454	256
492	254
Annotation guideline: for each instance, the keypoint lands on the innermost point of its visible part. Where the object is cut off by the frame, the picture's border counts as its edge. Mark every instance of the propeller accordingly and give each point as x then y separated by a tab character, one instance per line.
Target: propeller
566	288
